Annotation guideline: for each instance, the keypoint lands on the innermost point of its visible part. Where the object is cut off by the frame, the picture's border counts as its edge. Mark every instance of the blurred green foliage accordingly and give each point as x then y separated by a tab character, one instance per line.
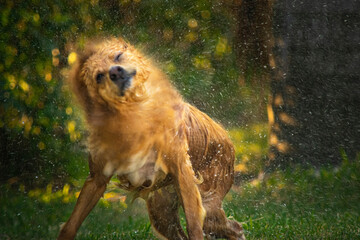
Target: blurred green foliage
251	147
35	142
39	123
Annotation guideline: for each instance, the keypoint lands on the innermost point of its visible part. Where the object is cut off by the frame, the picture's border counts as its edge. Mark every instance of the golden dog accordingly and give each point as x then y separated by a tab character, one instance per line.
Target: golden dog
160	147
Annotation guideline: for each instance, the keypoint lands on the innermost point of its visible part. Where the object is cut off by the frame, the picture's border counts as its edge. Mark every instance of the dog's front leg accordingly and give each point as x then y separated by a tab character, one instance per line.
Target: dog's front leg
191	200
94	187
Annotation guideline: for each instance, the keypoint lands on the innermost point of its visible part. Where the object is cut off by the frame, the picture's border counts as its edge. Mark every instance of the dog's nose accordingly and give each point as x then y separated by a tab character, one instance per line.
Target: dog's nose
116	73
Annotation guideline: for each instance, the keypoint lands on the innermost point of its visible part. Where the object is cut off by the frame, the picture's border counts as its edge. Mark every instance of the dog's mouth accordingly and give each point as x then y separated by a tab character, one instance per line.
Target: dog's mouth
121	77
123	85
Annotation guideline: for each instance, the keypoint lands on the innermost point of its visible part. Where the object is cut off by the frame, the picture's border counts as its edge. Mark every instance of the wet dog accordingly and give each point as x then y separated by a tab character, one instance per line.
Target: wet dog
160	147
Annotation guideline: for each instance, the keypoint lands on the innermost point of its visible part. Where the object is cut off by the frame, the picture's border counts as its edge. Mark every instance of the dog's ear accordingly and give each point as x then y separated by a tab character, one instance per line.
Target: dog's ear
76	77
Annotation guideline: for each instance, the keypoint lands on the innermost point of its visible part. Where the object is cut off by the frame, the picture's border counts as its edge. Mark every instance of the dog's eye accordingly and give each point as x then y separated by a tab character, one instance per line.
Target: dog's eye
117	57
99	77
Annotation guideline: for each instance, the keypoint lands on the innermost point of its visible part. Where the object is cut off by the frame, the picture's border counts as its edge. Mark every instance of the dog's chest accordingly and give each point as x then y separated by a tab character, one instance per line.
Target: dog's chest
134	170
142	171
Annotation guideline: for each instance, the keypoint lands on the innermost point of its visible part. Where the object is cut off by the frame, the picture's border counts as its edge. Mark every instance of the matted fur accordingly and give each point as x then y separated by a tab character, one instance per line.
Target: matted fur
160	147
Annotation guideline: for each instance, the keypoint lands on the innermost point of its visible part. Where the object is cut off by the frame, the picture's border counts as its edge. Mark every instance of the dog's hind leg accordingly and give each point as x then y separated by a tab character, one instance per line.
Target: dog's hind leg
163	207
94	187
216	225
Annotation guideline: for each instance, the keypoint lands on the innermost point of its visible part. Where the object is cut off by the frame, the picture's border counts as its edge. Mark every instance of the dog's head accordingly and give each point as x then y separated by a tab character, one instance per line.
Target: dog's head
110	73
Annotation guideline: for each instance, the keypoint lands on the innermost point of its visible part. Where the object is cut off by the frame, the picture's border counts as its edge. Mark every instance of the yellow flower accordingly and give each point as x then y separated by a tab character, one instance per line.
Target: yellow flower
71	126
192	23
55	52
68	110
24	86
41	145
65	190
72	57
48	77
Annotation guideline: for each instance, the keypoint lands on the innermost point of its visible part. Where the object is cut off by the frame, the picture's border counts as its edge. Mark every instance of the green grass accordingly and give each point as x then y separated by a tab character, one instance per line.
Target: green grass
24	217
293	204
301	204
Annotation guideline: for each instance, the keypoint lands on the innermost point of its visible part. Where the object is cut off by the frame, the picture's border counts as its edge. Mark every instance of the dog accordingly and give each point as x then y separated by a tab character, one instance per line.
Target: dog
161	148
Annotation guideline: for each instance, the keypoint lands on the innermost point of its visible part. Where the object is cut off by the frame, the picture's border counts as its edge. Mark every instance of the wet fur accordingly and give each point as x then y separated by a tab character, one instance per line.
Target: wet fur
160	147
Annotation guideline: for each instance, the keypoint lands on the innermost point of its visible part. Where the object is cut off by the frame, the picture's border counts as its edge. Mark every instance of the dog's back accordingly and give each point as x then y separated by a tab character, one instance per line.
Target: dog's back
211	151
212	156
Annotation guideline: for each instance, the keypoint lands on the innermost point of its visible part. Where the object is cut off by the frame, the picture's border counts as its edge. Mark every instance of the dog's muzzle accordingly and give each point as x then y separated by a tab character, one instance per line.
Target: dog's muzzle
121	77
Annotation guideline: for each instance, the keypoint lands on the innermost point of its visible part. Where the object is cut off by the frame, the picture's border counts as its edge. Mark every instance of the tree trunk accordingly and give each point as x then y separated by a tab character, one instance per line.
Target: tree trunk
314	106
253	41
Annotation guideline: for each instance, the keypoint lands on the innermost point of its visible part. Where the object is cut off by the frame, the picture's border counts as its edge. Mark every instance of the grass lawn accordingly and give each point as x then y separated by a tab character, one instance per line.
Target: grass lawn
296	204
